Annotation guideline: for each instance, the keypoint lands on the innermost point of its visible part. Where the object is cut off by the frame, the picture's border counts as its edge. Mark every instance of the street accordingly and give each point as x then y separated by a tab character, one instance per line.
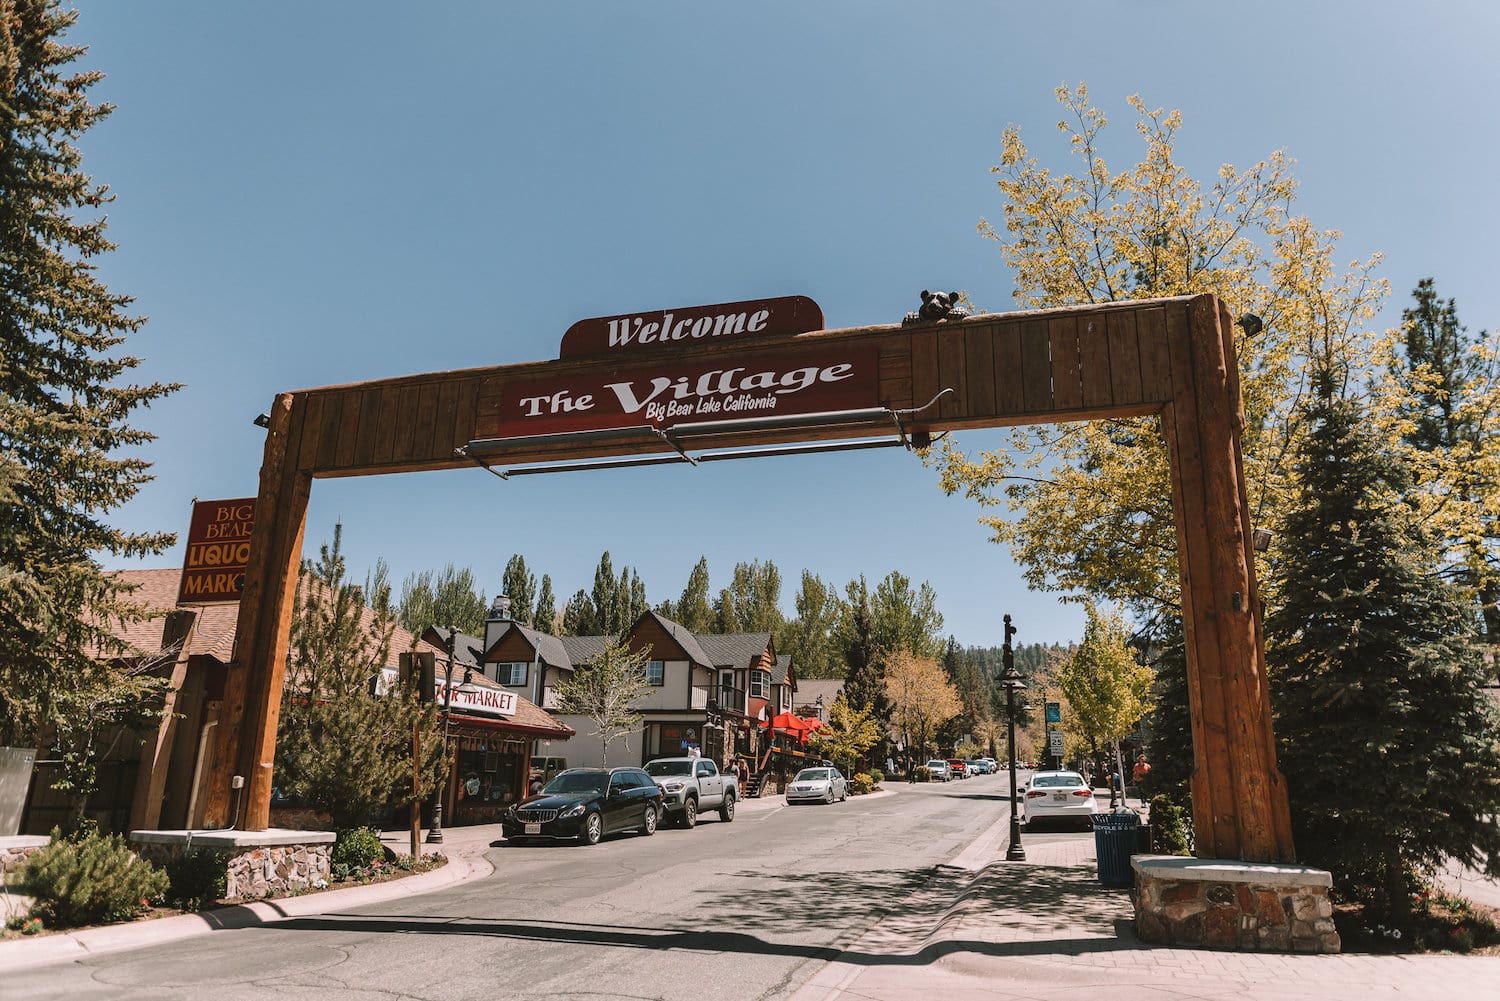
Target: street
745	910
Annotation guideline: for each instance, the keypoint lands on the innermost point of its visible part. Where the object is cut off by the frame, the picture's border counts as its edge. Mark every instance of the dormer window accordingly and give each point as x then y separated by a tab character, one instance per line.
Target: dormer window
760	684
511	674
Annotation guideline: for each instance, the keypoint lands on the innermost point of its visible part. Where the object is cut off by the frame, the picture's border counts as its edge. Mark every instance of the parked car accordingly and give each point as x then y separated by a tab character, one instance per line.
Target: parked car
543	768
585	804
940	770
690	785
959	767
1058	796
981	766
817	785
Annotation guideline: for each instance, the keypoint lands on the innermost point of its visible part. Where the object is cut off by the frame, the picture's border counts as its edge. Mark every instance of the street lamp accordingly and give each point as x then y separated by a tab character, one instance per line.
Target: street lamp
1011	679
435	834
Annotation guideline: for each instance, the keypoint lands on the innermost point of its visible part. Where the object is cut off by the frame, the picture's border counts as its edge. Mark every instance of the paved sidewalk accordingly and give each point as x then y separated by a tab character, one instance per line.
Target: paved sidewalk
1044	930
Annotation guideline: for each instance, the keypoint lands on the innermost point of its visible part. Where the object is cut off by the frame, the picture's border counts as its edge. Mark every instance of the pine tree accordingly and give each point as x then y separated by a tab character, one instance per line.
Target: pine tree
546	608
345	739
864	680
579	617
520	585
65	400
1170	725
605	596
1390	748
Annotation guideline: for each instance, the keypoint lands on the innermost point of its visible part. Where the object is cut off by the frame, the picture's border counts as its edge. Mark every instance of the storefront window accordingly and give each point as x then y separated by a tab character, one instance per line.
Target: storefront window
677	739
490	777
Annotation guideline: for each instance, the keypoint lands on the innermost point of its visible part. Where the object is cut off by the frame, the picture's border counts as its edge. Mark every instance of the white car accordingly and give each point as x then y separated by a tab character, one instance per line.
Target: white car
940	770
817	785
1058	796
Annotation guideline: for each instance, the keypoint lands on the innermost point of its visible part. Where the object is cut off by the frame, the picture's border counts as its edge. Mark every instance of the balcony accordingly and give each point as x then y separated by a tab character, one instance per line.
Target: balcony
726	699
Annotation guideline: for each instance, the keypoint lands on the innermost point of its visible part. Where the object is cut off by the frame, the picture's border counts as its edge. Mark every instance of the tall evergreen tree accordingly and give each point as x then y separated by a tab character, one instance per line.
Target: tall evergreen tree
545	617
606	596
1390	747
864	679
520	584
344	737
445	597
65	400
973	693
1169	723
752	601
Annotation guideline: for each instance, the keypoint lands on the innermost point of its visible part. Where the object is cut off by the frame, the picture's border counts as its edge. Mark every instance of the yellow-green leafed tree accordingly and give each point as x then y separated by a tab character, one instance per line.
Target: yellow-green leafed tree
921	696
1087	506
1107	691
848	733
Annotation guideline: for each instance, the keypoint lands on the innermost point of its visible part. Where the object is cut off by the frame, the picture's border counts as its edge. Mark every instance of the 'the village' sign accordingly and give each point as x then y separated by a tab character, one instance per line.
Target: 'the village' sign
786	382
218	551
726	321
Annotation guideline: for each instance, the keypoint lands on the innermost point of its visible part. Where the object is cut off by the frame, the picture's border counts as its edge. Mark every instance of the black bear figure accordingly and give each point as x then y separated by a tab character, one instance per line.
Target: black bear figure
936	306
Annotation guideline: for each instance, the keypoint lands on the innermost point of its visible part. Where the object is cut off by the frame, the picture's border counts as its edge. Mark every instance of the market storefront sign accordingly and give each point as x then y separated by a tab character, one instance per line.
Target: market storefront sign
725	321
218	551
481	701
787	382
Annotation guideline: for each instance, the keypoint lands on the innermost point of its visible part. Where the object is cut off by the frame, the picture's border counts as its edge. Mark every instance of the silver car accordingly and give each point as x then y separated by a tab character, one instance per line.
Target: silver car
940	770
817	785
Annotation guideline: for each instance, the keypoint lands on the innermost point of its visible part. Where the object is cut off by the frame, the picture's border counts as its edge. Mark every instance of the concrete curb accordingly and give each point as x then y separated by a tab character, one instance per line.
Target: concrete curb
70	946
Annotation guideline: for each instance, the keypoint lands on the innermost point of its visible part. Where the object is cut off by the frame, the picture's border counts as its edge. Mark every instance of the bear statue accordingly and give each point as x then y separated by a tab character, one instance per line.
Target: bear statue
936	307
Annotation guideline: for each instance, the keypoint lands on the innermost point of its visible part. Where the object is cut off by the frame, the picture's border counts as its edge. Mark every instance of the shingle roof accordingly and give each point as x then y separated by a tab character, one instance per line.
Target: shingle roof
733	649
582	649
468	651
808	691
684	638
784	669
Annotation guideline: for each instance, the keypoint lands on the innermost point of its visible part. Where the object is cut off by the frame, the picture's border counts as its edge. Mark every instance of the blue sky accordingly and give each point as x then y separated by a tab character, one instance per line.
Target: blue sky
310	194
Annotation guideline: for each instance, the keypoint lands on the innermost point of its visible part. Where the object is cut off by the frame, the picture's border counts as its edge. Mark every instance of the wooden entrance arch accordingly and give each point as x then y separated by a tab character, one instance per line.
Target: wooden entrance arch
1173	357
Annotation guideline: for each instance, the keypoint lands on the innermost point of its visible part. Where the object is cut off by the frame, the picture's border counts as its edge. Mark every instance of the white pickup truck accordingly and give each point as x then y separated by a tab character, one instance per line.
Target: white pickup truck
691	785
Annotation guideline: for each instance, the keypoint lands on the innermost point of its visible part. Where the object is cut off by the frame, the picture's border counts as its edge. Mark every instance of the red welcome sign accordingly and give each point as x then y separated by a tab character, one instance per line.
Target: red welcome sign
732	388
725	321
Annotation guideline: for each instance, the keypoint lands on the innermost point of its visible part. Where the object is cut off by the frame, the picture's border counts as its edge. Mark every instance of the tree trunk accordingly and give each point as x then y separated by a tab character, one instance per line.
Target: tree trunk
1398	901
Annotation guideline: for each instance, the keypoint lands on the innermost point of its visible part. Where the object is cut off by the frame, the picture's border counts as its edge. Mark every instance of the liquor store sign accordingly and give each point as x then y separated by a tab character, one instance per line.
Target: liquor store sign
773	384
218	551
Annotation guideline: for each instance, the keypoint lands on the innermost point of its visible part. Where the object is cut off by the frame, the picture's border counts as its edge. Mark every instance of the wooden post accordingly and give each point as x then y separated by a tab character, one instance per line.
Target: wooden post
1240	808
416	805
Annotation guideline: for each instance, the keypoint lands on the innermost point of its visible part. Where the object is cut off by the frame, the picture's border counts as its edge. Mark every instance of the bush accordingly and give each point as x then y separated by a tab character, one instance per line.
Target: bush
924	774
877	776
196	878
358	848
861	784
1171	828
91	880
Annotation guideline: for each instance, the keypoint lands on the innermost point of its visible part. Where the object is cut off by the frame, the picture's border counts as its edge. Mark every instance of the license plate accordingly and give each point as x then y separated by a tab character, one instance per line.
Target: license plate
533	828
1061	797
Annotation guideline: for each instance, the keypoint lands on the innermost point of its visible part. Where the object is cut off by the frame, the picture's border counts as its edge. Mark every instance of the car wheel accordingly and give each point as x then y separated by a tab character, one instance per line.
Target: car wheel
844	794
535	788
648	821
690	813
593	830
829	800
726	809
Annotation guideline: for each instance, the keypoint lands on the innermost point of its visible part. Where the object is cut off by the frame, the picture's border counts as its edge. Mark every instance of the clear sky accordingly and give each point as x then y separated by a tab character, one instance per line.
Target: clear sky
321	193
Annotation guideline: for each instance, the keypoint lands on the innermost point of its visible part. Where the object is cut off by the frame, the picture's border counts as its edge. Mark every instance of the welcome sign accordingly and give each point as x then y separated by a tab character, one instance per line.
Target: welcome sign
786	382
719	323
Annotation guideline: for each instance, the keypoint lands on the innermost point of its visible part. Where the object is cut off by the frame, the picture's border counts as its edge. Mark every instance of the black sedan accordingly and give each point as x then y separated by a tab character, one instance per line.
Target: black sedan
585	804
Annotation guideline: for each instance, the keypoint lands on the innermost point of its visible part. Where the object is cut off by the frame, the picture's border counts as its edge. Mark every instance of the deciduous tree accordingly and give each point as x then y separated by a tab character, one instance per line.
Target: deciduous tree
809	638
921	697
445	597
847	734
605	690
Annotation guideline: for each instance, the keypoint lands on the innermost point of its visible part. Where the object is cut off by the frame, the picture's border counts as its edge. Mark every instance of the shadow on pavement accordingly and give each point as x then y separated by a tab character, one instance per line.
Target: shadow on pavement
922	915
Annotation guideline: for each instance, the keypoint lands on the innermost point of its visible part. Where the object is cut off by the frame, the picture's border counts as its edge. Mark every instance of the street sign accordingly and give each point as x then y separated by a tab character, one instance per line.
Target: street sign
1055	743
1054	712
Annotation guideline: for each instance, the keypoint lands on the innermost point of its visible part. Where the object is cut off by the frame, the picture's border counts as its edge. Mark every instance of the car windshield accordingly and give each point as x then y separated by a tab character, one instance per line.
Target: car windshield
813	775
935	764
669	768
1056	781
592	782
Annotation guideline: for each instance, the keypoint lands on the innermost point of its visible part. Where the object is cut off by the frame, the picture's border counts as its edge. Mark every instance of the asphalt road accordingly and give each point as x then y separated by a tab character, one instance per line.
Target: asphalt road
746	910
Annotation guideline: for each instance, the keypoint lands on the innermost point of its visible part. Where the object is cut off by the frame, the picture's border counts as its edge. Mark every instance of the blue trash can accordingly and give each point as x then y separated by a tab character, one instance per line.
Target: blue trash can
1114	843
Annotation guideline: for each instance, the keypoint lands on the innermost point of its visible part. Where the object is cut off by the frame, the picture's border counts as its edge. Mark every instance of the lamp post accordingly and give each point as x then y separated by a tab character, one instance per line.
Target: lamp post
435	834
1011	679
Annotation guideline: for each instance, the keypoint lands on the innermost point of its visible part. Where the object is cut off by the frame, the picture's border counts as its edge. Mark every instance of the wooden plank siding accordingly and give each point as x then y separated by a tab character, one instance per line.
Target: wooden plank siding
1172	357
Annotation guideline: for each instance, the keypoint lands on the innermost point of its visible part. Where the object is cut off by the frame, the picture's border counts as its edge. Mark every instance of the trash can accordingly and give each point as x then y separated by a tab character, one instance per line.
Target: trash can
1114	843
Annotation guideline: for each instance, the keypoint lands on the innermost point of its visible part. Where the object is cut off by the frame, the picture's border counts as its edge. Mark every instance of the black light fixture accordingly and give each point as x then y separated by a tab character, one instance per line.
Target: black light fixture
1250	324
262	420
1260	539
1013	682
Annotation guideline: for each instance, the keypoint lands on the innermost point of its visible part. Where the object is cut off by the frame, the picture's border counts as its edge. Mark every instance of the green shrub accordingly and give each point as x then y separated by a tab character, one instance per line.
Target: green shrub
1171	828
91	880
877	776
924	774
196	878
357	848
861	784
